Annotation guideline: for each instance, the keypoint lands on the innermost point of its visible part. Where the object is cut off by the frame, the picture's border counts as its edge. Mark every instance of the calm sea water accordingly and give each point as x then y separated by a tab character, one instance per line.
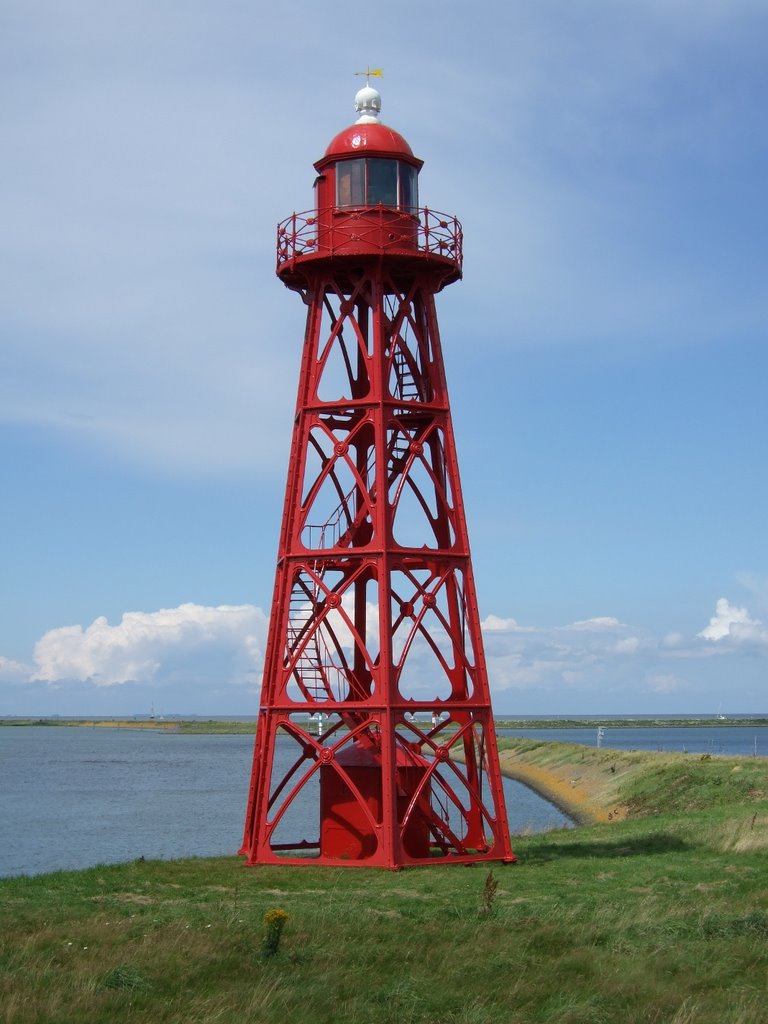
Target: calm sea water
75	797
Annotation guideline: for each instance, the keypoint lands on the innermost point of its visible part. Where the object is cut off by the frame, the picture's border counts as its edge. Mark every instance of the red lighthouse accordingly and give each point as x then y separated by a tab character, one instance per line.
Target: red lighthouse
375	744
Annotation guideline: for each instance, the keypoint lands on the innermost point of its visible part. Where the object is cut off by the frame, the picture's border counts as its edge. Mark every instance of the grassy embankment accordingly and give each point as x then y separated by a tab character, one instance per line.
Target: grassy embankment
605	785
660	915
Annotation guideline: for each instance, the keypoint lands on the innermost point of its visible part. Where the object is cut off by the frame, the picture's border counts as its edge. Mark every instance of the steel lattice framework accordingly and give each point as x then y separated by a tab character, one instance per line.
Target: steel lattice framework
375	742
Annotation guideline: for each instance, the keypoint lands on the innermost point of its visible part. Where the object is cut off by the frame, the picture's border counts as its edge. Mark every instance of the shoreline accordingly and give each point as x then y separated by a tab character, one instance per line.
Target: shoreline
546	785
215	725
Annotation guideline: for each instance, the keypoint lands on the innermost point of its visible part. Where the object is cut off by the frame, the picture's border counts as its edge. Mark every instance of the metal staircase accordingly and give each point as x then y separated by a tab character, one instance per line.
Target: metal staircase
406	388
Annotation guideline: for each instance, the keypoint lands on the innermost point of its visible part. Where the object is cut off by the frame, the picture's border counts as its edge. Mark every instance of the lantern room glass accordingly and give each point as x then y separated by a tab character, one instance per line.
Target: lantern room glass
382	182
371	181
409	187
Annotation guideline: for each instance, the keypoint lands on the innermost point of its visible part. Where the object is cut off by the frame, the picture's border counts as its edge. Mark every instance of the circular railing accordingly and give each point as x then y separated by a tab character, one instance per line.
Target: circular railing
374	229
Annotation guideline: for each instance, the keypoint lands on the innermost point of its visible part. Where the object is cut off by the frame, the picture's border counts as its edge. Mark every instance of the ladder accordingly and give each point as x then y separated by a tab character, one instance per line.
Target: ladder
406	386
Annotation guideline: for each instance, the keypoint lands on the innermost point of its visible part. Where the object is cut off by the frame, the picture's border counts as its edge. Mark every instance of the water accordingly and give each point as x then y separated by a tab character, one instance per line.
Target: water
733	740
75	797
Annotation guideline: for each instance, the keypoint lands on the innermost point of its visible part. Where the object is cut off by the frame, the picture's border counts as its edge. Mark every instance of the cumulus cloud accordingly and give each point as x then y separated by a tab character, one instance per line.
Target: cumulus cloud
192	643
494	622
205	657
200	647
733	624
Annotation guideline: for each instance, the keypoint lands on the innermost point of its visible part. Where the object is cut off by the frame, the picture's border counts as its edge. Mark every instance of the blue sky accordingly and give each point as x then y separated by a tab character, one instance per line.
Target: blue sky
606	351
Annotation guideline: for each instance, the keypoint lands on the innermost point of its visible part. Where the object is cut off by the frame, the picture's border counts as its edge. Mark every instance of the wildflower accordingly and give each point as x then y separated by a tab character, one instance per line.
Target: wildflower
274	922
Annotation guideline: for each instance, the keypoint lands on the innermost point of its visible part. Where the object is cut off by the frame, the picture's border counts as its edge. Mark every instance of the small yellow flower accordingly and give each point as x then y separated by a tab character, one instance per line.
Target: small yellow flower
275	918
273	928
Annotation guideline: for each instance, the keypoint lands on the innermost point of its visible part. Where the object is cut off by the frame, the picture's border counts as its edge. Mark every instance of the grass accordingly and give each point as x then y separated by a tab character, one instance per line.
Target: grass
661	918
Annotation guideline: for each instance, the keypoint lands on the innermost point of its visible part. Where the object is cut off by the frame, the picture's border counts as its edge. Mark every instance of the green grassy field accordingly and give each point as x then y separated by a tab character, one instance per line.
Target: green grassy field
659	918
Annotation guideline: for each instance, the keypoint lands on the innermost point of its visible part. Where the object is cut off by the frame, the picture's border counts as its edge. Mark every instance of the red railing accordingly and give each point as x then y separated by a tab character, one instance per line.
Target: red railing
378	229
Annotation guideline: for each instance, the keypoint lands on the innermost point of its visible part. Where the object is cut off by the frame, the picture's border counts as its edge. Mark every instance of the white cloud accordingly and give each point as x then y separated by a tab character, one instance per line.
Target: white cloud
601	622
494	623
604	656
211	657
192	643
583	653
13	671
204	647
733	624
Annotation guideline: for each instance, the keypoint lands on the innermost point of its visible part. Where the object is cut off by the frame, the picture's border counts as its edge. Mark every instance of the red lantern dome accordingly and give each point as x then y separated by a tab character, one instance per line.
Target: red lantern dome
371	139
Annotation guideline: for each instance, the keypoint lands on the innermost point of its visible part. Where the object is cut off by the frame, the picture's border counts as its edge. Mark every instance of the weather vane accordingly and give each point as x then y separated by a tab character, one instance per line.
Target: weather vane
371	73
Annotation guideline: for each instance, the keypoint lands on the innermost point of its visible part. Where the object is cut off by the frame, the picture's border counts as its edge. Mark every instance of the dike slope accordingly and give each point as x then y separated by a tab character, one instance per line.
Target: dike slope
594	786
582	782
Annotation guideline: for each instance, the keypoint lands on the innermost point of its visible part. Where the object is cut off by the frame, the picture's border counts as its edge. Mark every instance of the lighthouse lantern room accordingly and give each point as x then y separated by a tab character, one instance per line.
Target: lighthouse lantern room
375	743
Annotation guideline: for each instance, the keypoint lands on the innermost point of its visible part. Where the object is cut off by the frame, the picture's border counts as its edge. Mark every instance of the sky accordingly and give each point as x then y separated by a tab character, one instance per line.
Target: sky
606	350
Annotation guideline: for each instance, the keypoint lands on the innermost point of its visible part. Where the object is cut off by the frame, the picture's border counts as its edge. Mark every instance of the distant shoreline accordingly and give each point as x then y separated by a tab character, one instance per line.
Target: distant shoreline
229	727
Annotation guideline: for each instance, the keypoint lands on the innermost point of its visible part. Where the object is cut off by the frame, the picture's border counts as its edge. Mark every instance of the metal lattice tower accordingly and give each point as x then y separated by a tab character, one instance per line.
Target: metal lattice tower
375	743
